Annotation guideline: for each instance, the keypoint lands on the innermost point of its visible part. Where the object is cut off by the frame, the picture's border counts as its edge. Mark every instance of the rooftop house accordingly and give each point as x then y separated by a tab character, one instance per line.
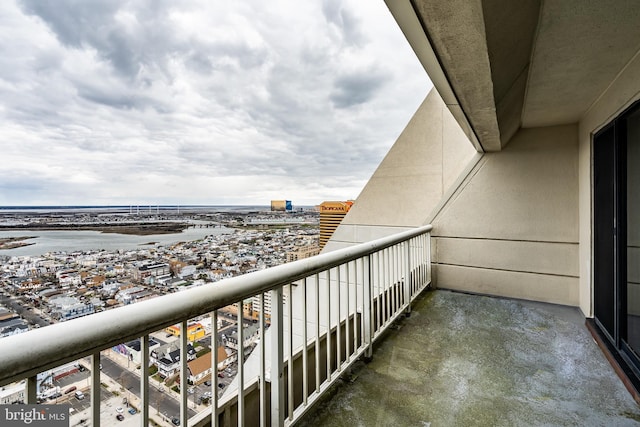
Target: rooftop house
11	323
67	308
512	192
147	270
131	349
199	369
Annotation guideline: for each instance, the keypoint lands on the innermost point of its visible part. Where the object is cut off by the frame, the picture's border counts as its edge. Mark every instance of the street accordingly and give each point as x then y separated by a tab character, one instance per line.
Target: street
163	401
22	310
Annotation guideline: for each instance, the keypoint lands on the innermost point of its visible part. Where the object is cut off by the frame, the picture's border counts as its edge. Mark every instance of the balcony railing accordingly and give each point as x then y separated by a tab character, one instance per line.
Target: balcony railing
325	313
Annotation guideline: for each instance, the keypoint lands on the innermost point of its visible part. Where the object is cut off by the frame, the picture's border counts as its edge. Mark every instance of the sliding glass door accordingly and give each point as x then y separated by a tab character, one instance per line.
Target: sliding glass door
616	208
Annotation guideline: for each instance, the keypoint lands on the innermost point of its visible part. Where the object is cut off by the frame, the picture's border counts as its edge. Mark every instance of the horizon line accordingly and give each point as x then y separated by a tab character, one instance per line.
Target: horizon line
146	205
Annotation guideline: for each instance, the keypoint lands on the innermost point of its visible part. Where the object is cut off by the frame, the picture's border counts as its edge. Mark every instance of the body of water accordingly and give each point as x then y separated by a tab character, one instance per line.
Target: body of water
81	240
142	209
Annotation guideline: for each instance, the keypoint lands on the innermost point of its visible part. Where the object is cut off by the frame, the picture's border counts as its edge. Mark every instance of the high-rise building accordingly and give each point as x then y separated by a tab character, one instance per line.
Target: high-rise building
256	305
281	205
303	252
331	214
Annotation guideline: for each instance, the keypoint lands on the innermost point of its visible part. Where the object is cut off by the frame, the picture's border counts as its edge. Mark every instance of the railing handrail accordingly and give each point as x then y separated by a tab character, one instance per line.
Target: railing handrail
29	353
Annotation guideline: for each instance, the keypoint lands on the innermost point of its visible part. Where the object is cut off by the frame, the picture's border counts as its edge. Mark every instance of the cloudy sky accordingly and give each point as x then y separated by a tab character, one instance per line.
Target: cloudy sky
198	102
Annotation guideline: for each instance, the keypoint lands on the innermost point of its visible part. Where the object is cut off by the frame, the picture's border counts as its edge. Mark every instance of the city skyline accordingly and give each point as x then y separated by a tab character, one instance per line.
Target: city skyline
111	103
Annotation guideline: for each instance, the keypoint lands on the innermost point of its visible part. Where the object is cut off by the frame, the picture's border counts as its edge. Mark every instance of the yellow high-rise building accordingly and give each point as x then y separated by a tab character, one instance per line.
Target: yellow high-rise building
331	214
281	205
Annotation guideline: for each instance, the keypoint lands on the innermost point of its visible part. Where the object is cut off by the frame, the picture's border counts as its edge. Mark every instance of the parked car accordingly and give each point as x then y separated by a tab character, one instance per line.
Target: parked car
175	421
120	417
207	383
132	411
119	410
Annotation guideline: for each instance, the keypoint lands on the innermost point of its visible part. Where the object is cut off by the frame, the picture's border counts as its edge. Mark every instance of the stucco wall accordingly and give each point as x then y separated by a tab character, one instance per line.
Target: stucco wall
422	165
511	229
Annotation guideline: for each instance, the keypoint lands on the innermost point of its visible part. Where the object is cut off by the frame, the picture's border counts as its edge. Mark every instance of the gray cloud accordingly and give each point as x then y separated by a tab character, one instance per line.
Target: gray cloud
75	22
83	24
110	99
357	88
127	42
345	20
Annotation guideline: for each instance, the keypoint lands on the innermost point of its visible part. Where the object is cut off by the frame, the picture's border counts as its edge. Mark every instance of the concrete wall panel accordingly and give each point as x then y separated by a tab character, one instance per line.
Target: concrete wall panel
512	227
529	286
533	257
528	191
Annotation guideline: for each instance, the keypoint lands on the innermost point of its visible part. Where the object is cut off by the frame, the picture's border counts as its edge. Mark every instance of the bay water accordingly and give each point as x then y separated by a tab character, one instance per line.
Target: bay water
85	240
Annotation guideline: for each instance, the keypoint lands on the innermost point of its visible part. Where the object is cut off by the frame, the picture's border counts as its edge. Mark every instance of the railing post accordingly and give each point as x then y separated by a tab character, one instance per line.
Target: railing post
339	324
367	303
144	381
184	372
263	385
95	389
31	390
317	346
240	374
407	279
214	368
290	352
428	255
305	361
328	307
277	354
347	334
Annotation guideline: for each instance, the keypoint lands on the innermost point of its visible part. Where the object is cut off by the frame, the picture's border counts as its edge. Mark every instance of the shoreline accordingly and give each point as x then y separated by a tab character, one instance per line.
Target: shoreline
7	243
141	229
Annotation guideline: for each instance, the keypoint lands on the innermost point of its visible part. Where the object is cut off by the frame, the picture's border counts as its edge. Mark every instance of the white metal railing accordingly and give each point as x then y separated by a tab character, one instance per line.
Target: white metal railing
337	304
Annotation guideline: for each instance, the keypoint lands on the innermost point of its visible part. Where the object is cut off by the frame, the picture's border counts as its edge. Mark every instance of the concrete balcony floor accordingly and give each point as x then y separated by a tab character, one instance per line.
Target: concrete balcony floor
464	360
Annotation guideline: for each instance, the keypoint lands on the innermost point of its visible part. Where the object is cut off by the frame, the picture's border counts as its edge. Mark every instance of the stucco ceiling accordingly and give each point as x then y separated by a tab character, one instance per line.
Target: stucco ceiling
580	47
525	63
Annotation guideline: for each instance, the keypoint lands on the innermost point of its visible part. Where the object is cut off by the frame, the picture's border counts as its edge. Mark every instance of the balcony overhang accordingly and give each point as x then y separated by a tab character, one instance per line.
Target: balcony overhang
412	27
501	65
